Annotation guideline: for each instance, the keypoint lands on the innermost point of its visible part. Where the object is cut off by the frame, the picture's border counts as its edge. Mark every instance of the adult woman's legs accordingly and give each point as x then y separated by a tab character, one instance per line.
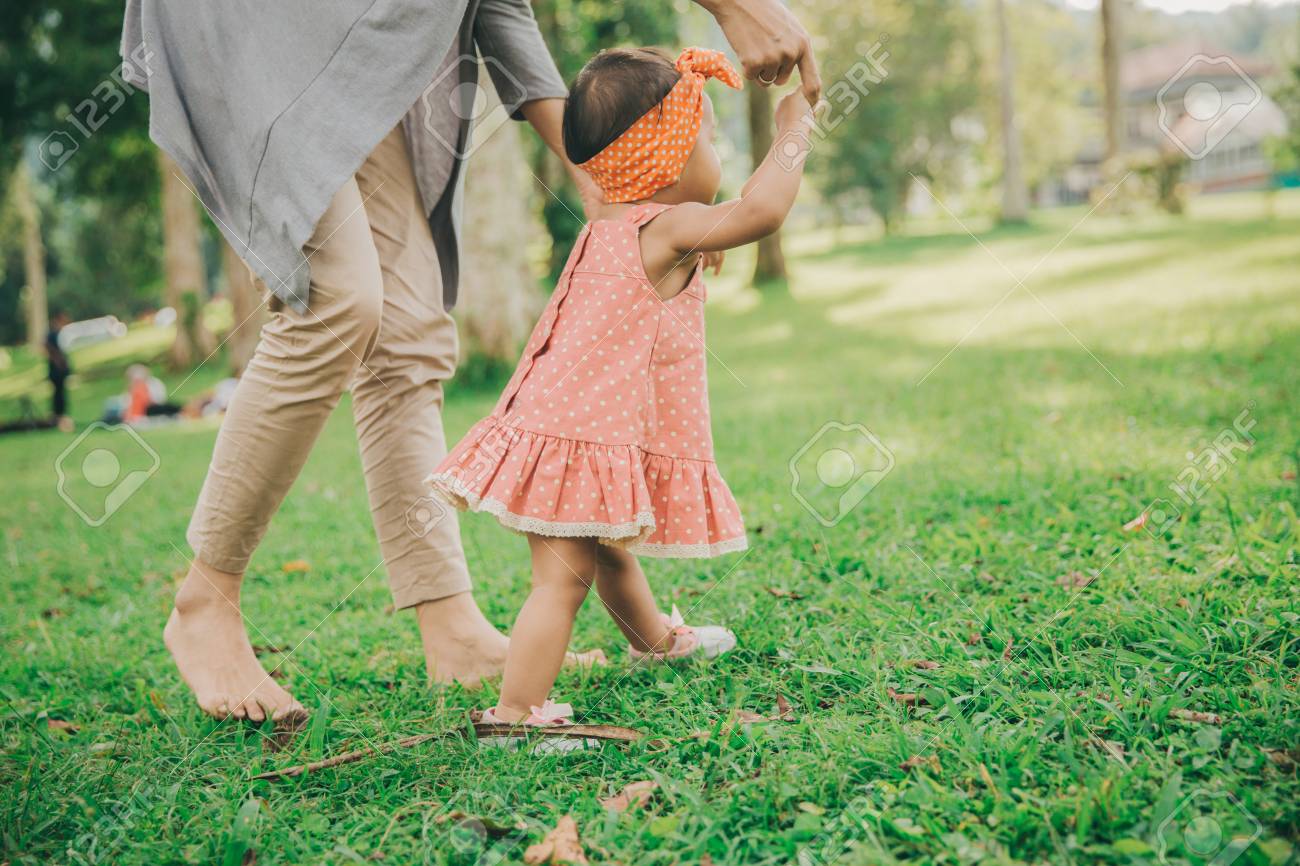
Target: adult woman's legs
397	405
301	366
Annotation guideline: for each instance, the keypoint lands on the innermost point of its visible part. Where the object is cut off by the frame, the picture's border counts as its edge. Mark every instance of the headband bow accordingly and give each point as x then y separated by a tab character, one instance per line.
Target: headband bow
651	153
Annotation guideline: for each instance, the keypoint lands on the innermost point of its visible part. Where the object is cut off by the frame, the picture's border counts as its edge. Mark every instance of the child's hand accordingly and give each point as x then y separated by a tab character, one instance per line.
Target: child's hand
793	109
713	260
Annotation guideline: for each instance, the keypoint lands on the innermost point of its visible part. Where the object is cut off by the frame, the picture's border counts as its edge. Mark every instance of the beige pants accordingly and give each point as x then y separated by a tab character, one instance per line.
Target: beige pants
375	321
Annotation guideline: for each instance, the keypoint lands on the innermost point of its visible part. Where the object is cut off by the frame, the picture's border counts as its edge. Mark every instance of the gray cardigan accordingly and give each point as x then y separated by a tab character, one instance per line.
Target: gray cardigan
268	108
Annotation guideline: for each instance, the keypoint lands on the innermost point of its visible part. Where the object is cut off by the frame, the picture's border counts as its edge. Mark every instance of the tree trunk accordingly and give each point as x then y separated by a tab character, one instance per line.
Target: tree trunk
1112	98
247	310
769	267
499	297
1015	197
34	300
183	267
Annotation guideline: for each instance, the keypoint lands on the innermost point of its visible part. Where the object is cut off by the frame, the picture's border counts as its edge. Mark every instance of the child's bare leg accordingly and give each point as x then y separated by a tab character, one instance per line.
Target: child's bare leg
563	571
625	592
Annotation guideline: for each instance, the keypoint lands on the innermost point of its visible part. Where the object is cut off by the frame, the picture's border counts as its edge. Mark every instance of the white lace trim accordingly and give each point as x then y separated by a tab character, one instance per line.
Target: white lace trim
689	551
626	535
458	494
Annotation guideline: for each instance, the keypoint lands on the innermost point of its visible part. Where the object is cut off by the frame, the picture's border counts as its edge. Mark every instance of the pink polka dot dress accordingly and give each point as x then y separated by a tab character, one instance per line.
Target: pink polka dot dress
603	431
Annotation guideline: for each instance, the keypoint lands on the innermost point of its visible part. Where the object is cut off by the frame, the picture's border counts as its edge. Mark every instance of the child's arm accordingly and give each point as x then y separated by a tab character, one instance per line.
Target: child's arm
764	201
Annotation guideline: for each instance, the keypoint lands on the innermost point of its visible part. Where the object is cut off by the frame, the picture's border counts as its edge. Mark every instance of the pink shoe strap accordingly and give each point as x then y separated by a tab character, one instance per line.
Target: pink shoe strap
549	713
685	640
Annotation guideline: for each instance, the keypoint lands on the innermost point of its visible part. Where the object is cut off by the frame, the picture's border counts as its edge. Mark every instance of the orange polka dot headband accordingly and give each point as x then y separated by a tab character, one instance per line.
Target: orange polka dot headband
651	153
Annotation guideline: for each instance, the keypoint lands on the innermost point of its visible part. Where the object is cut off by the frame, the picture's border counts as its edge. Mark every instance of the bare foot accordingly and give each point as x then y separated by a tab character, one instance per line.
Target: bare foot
461	646
585	659
206	637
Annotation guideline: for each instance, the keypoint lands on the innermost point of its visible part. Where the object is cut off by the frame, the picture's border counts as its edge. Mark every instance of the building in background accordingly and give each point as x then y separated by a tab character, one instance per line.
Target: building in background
1211	105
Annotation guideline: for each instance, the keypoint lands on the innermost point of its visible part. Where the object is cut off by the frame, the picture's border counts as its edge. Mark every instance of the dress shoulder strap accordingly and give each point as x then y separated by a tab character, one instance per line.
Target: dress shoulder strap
643	213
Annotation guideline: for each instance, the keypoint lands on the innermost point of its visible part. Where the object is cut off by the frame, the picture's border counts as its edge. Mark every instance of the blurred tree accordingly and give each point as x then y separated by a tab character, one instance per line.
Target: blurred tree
1015	197
769	266
879	134
248	312
59	90
183	267
499	297
1050	64
1112	94
1285	150
34	301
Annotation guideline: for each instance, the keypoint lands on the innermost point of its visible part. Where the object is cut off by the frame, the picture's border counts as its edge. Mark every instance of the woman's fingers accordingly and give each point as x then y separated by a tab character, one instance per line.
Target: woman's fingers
810	80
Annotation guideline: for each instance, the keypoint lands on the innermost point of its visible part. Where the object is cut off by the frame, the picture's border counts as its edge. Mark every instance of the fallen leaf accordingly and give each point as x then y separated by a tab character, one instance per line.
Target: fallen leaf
489	826
633	794
263	649
560	845
1284	758
1006	651
1288	475
1111	747
921	664
778	592
988	781
295	565
1196	716
974	639
1075	580
53	613
908	698
784	712
61	725
917	761
1136	523
746	717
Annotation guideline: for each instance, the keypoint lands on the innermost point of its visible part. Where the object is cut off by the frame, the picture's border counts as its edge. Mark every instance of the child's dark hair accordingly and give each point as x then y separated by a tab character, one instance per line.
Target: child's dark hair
611	93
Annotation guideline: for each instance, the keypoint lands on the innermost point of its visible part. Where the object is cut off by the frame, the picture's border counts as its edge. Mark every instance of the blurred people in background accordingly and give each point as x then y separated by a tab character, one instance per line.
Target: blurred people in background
59	369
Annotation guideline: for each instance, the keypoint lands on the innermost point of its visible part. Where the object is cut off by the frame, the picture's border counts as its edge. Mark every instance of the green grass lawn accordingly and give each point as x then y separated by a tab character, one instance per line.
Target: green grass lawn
1061	655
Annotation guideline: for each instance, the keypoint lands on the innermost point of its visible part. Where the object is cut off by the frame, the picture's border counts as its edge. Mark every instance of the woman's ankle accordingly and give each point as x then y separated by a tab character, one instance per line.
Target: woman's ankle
205	586
455	618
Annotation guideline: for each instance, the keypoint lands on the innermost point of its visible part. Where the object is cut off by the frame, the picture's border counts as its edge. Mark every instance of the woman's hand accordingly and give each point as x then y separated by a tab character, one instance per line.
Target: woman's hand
713	260
593	198
769	41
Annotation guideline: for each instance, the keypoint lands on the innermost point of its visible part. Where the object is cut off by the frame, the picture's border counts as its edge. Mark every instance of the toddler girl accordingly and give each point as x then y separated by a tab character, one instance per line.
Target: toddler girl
600	450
